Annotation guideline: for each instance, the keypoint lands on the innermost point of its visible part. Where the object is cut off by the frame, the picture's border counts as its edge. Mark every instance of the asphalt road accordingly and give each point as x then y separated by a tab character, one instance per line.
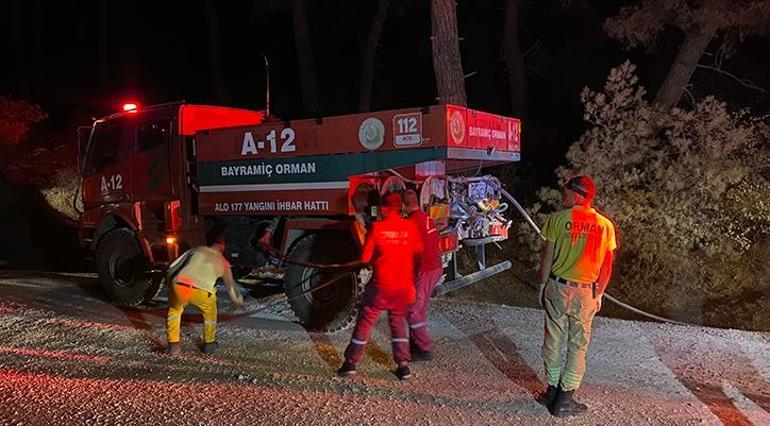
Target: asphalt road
69	357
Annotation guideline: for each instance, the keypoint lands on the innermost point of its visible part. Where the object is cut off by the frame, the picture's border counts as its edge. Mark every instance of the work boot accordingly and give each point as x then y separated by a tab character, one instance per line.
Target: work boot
548	397
418	355
174	349
347	369
210	348
403	372
564	405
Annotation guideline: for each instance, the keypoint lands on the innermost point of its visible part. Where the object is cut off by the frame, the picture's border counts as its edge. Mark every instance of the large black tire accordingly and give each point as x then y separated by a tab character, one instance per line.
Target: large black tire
331	308
122	268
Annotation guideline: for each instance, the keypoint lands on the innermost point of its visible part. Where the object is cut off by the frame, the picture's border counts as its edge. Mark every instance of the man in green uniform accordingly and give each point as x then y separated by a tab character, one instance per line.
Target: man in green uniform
575	268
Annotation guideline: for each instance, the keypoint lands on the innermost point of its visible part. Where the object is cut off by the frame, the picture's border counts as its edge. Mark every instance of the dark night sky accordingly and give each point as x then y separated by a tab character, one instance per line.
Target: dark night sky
82	58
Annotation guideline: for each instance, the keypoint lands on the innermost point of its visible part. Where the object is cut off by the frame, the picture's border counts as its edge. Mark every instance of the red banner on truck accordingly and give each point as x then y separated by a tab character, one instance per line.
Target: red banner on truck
443	126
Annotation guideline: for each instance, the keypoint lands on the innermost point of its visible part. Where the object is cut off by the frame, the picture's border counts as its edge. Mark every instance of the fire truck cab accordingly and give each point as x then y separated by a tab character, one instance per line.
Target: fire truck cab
135	168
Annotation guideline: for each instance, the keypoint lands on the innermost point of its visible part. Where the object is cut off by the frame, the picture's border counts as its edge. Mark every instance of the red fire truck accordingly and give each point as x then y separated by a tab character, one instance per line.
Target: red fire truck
156	178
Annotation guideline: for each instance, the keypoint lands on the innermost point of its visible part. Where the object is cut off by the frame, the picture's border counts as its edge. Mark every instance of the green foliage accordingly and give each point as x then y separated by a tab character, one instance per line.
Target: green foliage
642	23
688	190
16	118
62	191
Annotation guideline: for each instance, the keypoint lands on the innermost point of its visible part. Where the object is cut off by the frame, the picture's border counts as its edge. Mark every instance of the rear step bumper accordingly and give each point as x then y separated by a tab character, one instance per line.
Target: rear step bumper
467	280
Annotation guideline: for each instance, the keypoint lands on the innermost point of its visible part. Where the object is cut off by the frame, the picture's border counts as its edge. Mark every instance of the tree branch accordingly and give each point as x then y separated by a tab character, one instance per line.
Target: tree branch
742	81
533	48
690	95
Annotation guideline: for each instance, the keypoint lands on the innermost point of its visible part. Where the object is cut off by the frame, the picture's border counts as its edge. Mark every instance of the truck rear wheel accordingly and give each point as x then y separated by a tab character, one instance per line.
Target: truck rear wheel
122	268
331	308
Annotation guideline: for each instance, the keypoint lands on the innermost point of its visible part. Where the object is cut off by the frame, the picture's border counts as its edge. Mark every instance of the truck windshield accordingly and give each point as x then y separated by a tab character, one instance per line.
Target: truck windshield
108	145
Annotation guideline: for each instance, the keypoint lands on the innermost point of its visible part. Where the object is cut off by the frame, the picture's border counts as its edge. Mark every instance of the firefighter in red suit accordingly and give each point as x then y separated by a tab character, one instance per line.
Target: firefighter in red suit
392	248
426	277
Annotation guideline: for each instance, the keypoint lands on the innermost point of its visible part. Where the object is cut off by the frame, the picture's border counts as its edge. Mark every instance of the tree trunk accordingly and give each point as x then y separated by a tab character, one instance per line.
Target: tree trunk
305	58
215	65
514	60
673	87
447	63
370	52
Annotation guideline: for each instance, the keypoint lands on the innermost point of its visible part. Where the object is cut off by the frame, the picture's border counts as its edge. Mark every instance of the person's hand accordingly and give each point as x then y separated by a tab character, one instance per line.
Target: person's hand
541	295
599	303
236	297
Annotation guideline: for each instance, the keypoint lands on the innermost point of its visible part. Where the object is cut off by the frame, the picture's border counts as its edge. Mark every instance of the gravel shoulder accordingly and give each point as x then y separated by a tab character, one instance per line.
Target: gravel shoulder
69	357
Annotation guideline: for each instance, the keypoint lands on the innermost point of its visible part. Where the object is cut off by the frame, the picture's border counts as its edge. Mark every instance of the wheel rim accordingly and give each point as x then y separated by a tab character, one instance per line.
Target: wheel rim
326	296
122	269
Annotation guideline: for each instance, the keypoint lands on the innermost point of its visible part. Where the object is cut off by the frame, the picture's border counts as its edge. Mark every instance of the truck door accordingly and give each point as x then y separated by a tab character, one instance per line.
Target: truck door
107	171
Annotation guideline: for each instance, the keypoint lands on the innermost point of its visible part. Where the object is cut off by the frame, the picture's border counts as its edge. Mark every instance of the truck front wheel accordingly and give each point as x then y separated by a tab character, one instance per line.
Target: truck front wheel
333	307
122	268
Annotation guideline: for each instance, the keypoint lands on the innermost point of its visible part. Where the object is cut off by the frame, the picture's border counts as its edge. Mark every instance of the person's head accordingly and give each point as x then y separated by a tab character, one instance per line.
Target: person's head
579	190
411	201
391	204
215	238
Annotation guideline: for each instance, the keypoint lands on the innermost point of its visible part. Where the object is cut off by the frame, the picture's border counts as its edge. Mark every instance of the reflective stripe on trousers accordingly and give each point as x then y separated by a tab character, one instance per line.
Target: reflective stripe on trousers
418	313
569	313
367	318
181	296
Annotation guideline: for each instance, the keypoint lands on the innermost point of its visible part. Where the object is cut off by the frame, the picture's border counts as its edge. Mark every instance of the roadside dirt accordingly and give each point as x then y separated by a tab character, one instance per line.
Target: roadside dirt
68	357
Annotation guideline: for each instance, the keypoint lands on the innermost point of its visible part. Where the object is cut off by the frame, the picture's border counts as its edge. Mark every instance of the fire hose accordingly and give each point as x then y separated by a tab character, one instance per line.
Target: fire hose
323	284
354	266
607	295
346	268
285	259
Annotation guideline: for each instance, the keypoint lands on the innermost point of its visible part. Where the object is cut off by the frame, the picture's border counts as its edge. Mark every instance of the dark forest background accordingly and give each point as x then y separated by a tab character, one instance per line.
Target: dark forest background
81	59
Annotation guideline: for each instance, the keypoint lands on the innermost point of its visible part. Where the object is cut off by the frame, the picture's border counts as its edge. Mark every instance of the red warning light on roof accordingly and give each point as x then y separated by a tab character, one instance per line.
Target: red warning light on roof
130	107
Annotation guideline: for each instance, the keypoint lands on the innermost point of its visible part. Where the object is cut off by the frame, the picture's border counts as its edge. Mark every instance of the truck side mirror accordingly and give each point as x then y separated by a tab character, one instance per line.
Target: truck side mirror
84	133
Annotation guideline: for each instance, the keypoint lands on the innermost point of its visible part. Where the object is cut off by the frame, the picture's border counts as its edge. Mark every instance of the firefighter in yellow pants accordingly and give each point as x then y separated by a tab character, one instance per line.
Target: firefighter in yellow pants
198	271
575	269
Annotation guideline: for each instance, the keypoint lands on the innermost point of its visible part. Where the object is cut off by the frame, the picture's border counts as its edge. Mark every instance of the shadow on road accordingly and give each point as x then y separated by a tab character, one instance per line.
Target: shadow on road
136	316
326	350
500	351
705	374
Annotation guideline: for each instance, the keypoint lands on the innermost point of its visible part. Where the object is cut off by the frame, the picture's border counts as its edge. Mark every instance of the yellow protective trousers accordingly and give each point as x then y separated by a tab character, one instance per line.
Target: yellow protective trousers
181	295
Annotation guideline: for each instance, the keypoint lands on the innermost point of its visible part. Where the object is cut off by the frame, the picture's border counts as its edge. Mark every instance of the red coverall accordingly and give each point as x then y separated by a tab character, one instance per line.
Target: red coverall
391	246
427	276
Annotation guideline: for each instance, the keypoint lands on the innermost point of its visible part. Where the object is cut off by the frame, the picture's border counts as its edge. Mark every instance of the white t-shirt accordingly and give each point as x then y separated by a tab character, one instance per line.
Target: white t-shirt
205	266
